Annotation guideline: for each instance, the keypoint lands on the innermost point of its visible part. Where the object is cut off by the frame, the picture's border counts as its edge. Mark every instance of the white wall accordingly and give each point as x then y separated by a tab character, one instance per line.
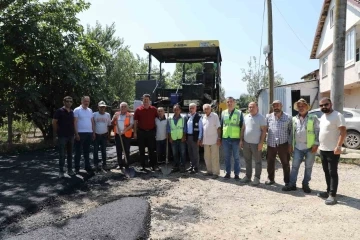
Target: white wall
352	98
326	40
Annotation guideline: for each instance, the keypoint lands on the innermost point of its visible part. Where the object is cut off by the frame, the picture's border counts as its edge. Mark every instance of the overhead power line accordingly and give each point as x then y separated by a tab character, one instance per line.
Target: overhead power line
291	28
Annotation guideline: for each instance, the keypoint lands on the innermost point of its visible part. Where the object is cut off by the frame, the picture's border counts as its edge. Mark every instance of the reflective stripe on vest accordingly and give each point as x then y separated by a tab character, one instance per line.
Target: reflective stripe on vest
128	133
310	133
177	131
231	126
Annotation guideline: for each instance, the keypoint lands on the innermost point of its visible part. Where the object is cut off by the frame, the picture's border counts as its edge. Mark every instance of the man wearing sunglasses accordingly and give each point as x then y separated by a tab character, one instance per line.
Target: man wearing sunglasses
63	127
331	137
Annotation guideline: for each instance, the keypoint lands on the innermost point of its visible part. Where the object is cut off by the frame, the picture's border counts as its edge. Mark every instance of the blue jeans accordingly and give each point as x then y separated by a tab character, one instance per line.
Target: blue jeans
231	146
298	157
179	148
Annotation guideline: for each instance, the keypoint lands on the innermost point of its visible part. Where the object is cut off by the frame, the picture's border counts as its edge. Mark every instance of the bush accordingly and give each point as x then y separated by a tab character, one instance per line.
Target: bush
21	129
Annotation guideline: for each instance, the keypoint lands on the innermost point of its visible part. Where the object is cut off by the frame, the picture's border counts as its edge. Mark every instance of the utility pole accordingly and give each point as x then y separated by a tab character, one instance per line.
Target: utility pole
270	54
337	76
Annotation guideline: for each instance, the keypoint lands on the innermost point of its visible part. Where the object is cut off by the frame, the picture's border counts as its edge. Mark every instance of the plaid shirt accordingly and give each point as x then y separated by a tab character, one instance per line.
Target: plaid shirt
279	130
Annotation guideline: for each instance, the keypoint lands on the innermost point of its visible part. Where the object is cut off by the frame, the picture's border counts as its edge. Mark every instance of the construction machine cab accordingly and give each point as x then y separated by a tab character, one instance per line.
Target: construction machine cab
202	87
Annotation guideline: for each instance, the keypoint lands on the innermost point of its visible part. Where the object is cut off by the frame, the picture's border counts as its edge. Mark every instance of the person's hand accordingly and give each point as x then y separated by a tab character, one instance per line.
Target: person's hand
77	137
260	147
170	140
218	142
241	144
337	151
93	136
291	149
199	143
314	149
135	135
183	139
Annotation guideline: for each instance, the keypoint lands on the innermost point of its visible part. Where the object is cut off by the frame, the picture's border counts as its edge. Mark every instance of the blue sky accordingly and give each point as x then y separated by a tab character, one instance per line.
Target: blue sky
235	23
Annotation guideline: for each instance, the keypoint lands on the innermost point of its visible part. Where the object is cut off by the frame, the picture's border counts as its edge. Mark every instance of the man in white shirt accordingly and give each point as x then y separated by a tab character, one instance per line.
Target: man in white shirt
102	122
210	138
331	137
161	123
84	133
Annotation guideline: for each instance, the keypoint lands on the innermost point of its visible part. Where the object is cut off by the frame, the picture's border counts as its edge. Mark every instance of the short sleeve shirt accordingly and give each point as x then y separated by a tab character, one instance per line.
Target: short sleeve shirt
329	130
253	126
65	122
146	117
102	122
84	117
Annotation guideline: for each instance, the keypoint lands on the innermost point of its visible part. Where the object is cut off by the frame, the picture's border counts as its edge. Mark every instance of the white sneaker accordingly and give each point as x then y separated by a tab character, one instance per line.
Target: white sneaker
61	174
256	181
245	180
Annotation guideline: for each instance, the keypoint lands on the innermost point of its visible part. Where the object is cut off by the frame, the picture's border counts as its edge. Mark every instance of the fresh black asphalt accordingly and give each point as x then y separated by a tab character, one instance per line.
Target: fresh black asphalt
127	218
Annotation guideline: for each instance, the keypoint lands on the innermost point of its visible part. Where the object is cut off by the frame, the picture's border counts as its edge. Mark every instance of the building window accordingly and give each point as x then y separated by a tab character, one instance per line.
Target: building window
350	46
332	17
325	66
357	54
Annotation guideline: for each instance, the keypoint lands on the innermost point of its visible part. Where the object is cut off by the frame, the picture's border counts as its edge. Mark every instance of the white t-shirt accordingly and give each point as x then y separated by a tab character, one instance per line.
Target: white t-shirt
84	117
161	129
329	130
102	122
210	125
121	122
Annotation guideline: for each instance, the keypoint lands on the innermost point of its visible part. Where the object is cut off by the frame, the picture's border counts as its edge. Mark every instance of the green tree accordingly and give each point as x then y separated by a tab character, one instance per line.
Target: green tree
258	78
45	56
244	100
190	74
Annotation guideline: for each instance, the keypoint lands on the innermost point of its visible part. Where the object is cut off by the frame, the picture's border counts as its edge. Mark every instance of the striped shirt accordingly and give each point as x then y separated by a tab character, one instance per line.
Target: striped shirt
279	130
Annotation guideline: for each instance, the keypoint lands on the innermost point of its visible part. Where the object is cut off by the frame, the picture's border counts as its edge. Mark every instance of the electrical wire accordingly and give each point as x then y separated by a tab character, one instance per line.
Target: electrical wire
291	28
262	33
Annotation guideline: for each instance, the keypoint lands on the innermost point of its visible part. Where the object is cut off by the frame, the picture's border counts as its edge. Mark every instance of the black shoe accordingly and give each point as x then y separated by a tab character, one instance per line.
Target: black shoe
306	189
175	169
119	167
77	171
155	169
269	182
196	170
288	188
227	175
323	194
237	177
190	169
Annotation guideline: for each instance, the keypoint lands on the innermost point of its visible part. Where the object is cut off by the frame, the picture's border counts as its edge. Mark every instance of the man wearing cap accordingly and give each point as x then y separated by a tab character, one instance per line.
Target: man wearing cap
123	123
102	122
84	133
305	142
279	142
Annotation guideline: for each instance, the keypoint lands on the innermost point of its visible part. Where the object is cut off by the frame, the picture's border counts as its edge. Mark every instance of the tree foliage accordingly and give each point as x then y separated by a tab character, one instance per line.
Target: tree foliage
257	78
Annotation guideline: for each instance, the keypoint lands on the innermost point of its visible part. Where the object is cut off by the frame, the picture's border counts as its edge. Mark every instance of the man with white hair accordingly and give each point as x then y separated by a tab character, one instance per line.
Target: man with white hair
123	123
193	133
210	139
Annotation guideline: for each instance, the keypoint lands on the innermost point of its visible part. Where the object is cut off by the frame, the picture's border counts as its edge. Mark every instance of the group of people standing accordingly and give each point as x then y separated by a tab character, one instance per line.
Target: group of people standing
299	136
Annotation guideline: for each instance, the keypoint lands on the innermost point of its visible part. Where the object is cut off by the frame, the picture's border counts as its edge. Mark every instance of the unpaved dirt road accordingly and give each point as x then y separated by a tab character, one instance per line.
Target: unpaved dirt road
198	207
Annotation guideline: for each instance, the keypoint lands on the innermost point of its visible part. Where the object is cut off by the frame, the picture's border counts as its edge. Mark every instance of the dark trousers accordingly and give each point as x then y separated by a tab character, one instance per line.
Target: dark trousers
330	163
283	151
65	143
193	149
147	139
84	144
161	150
100	140
120	150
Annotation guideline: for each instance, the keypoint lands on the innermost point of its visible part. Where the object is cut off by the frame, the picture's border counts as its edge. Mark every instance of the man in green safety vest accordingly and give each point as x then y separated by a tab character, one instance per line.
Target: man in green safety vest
305	135
231	123
176	129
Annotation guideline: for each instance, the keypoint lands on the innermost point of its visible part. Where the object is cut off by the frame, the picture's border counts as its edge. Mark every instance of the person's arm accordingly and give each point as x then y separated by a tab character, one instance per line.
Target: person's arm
290	131
342	128
55	126
93	127
183	139
200	128
76	116
131	124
